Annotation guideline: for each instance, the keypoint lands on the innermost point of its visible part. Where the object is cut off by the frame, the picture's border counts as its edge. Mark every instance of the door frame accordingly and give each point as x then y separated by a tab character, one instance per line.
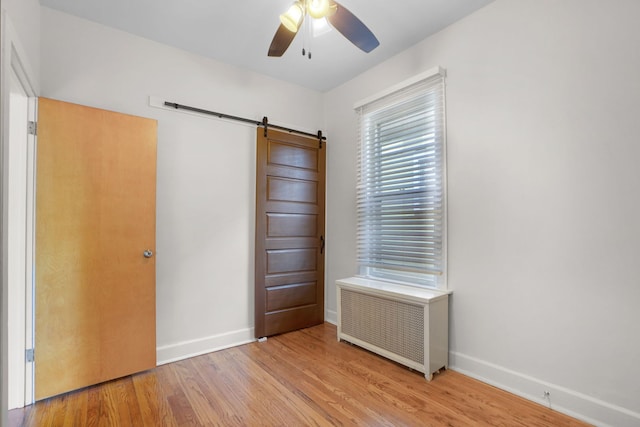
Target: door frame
18	297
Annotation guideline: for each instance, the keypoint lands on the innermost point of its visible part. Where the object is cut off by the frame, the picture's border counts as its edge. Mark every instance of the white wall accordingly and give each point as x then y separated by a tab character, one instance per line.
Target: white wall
25	18
543	108
206	177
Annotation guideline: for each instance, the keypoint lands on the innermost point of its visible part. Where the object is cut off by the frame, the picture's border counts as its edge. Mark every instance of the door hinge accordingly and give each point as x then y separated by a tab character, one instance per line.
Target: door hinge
29	355
32	128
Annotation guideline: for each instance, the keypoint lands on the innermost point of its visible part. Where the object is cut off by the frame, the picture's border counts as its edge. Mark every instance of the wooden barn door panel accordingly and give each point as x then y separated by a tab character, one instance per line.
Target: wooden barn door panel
290	197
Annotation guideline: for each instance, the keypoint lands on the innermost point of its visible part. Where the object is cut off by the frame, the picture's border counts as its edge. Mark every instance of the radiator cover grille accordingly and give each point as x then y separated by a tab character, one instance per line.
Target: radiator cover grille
395	326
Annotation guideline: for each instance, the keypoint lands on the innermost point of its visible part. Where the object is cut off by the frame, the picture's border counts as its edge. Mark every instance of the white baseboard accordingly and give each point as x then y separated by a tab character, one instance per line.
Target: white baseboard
561	399
185	349
331	317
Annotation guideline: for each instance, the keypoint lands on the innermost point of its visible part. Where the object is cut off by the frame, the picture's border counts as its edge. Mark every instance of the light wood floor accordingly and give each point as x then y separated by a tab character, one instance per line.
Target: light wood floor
304	378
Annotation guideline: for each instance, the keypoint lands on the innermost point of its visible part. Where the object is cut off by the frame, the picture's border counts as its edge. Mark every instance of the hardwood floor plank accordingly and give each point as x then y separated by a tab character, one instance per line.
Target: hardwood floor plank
107	411
124	398
218	394
456	392
344	389
340	407
58	411
93	404
76	411
303	378
154	409
298	399
181	410
185	375
267	398
41	416
378	387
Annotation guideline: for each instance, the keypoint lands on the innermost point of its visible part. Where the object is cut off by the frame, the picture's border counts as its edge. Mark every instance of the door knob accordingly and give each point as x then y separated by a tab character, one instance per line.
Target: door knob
148	253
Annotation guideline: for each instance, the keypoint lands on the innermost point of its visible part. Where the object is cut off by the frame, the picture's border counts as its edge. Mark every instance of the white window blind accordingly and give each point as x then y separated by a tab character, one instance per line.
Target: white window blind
401	195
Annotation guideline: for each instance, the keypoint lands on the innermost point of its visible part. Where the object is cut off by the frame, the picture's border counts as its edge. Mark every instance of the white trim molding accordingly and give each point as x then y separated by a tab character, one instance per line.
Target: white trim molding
15	64
561	399
331	316
186	349
435	71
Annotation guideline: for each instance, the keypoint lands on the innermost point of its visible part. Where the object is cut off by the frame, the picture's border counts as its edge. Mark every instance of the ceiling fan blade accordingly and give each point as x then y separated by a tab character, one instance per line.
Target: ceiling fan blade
281	41
353	29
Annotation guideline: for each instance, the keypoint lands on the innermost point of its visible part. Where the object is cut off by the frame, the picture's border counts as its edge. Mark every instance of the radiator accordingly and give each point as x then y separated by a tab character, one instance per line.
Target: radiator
405	324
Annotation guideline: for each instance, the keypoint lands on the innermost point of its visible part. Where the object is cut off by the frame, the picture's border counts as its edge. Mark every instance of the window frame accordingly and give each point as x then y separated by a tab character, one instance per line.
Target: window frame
402	92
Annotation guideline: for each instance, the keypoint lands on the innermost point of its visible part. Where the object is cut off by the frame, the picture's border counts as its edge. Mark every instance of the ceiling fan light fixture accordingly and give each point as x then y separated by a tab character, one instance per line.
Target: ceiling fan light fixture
319	8
338	16
292	18
320	26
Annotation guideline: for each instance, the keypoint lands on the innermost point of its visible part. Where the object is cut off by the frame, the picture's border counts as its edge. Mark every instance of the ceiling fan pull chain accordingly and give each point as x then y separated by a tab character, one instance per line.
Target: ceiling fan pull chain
308	33
304	27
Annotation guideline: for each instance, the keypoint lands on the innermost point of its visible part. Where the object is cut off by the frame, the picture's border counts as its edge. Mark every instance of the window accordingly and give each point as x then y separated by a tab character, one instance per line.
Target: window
401	184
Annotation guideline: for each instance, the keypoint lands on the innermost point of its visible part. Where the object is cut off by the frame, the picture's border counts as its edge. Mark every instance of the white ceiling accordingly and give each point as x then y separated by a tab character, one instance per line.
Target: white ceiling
239	32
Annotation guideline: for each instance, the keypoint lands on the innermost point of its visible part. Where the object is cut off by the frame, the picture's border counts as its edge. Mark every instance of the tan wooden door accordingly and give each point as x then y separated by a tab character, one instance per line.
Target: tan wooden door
289	263
95	216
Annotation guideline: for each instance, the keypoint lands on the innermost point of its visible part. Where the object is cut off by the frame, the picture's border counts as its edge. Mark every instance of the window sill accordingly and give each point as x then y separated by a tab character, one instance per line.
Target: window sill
390	289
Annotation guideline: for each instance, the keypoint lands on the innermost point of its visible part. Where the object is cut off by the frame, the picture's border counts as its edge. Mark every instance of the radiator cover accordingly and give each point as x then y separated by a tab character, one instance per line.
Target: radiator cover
405	324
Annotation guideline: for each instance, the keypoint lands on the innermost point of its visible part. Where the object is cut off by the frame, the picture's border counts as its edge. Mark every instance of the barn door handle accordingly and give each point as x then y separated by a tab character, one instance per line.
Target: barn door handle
321	244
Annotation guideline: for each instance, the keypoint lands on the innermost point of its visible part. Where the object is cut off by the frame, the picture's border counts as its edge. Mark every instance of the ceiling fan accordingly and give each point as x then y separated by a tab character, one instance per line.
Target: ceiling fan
337	15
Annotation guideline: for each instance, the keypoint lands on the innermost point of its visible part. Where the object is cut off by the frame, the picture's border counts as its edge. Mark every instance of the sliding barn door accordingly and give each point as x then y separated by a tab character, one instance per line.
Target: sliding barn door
290	199
95	218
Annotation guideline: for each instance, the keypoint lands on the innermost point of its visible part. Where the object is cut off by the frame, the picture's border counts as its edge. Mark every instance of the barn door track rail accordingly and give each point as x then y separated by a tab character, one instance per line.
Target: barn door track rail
264	123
